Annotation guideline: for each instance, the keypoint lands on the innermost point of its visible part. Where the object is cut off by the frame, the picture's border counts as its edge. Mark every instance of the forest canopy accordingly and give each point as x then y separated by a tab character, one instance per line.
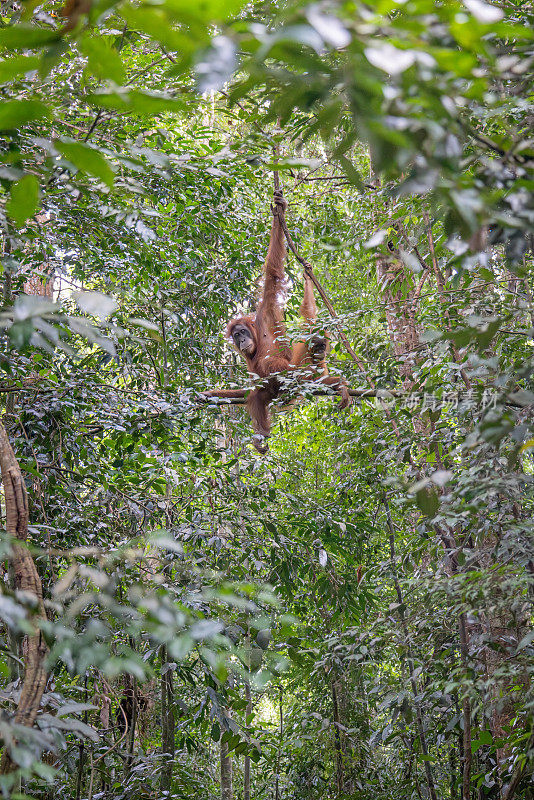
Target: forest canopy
348	614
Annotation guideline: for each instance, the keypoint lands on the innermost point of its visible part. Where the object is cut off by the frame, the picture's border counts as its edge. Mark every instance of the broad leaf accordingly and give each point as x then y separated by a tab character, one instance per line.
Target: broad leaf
87	159
24	199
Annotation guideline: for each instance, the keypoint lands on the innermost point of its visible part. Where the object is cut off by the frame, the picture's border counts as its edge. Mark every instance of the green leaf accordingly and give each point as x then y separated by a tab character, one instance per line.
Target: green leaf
103	60
526	641
134	101
485	738
233	741
95	303
18	65
485	336
486	13
15	113
158	25
20	334
75	708
91	333
390	59
428	501
26	36
86	159
263	638
24	199
205	11
215	732
350	171
31	305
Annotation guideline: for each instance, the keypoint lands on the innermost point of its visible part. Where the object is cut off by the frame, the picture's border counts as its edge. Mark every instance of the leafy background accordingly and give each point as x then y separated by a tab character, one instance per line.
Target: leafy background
350	616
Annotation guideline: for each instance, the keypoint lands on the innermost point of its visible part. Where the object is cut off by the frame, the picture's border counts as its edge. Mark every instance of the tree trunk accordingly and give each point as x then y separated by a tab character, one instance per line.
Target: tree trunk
400	308
409	659
26	580
337	742
246	775
227	789
132	708
167	722
278	754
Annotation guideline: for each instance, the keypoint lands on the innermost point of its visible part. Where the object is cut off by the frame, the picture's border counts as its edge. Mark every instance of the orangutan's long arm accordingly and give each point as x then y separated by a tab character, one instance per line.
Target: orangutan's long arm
308	308
270	311
300	353
230	393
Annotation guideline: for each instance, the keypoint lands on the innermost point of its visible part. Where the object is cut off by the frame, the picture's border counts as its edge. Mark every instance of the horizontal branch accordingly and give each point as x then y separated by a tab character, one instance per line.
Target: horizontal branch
337	178
430	401
384	394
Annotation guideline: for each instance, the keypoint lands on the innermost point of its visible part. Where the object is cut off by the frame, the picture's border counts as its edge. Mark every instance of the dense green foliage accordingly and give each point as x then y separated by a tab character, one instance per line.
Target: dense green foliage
351	615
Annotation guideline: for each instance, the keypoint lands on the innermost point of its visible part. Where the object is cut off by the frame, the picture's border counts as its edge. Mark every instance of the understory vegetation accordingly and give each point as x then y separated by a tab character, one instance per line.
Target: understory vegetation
349	615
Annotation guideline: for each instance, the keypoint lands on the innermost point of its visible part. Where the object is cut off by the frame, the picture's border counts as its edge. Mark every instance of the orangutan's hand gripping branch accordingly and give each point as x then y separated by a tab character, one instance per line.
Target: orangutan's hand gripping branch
262	341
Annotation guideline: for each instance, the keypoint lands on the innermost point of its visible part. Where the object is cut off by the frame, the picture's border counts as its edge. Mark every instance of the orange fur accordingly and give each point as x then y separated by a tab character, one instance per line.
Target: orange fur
272	353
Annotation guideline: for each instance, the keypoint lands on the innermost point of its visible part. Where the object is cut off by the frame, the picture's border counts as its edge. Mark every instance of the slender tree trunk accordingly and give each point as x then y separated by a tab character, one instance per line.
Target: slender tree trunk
227	789
452	765
81	751
466	714
278	754
246	775
226	770
337	742
130	736
402	322
400	308
26	580
410	661
167	722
